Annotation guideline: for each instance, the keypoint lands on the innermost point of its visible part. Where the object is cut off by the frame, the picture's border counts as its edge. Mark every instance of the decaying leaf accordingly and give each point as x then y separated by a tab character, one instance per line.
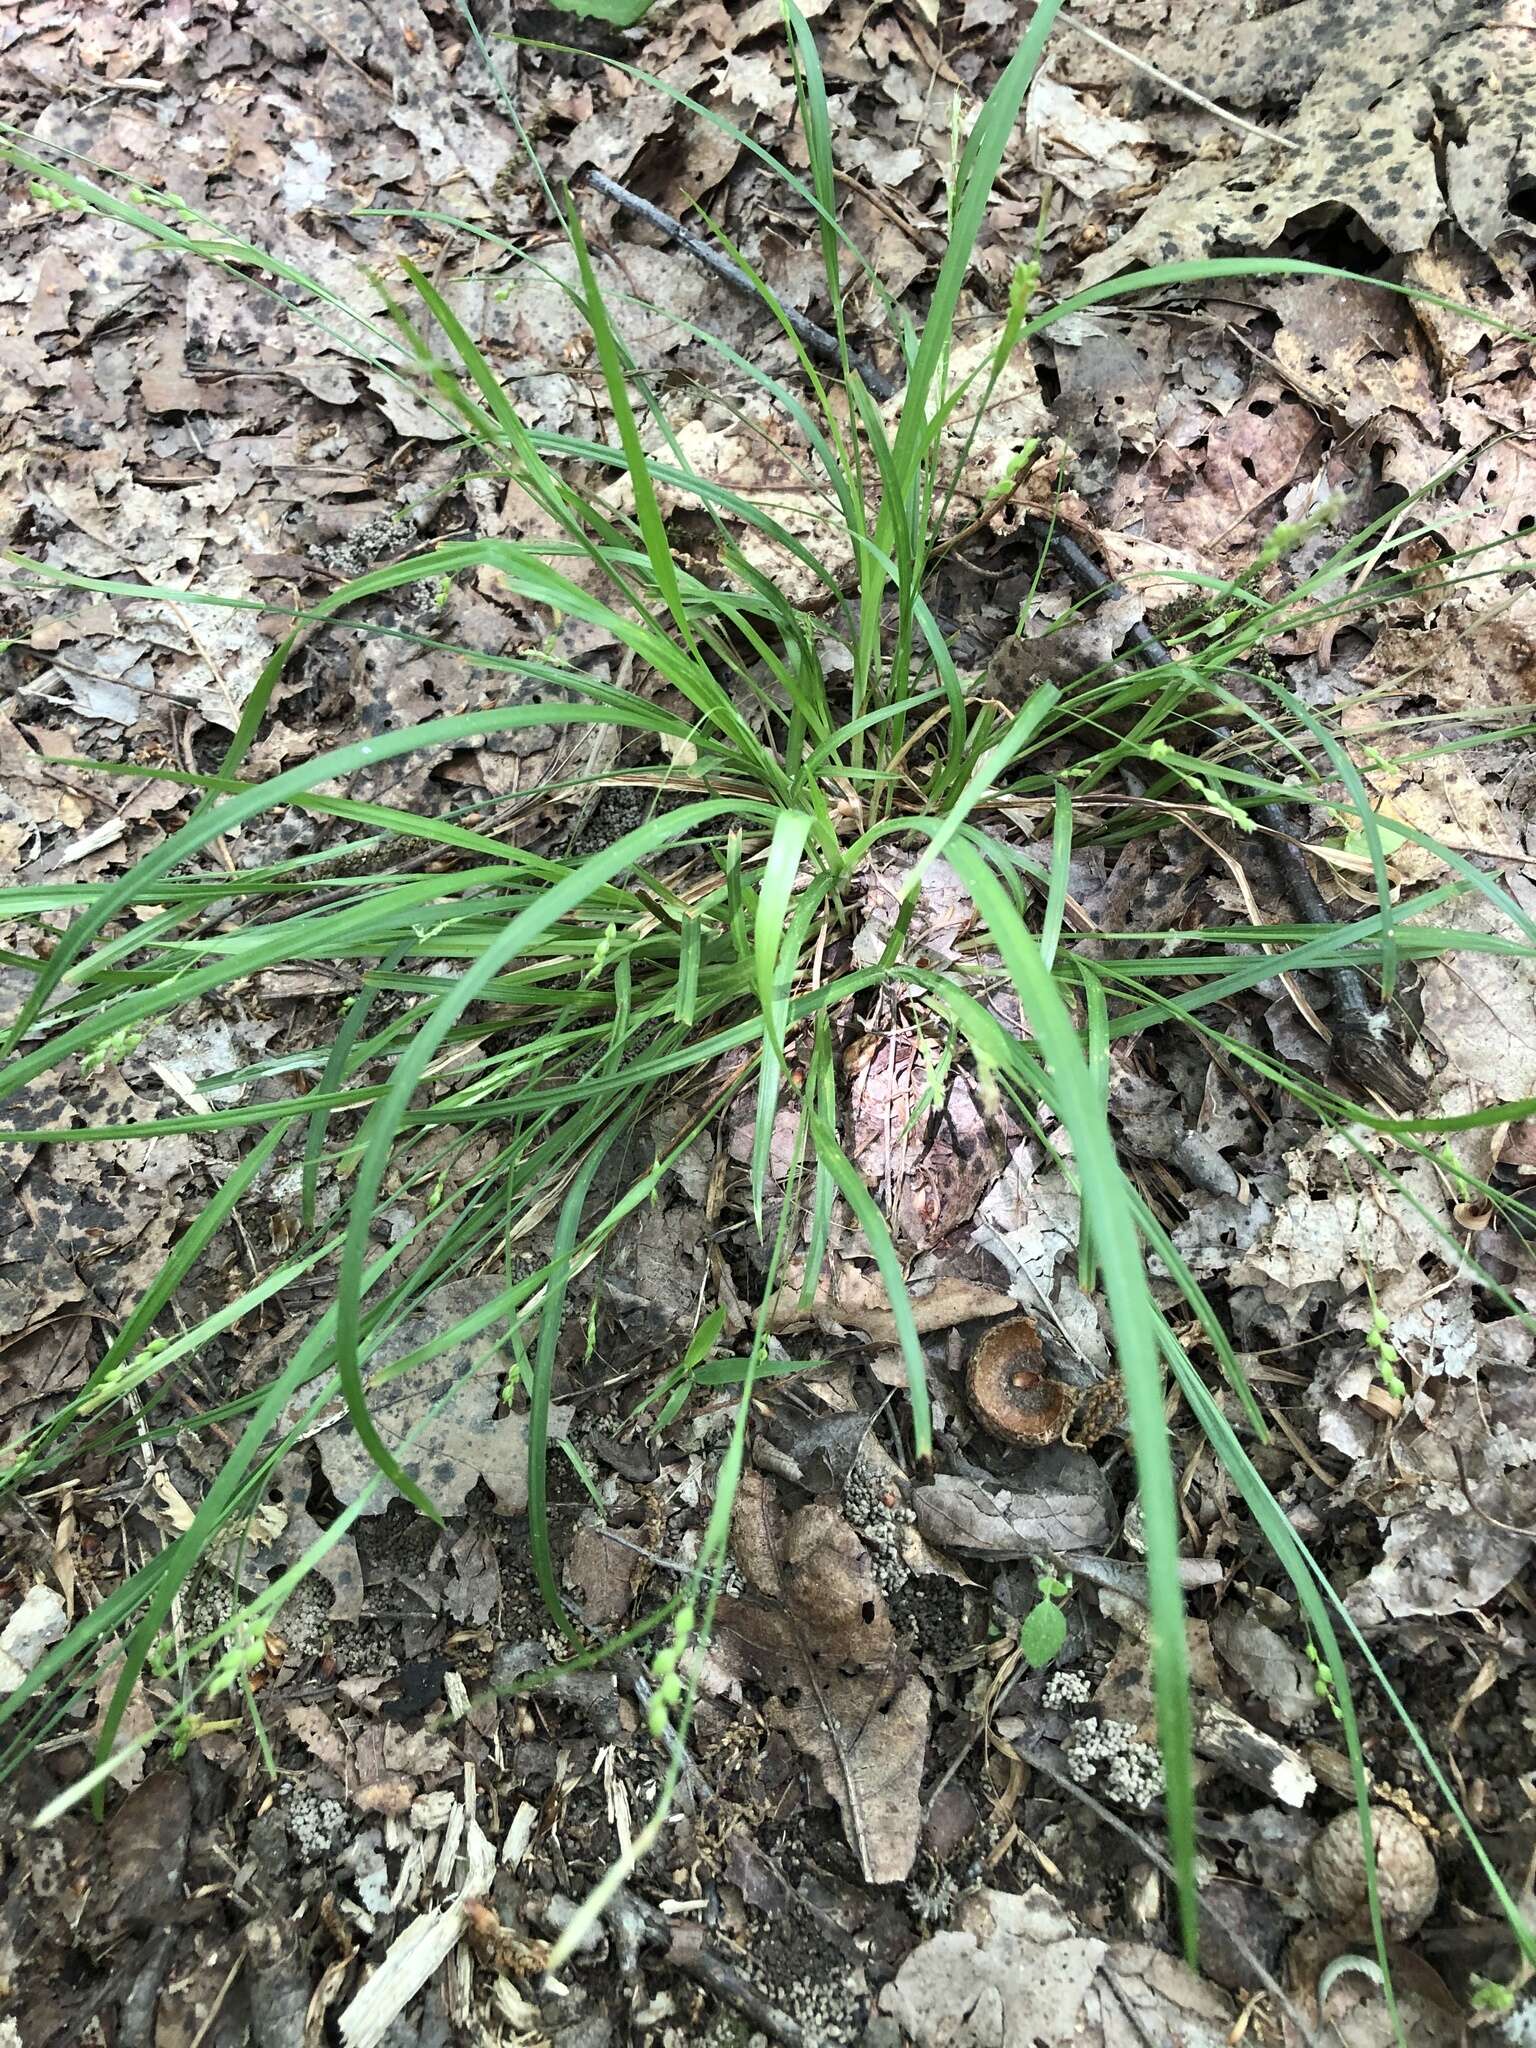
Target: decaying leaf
1015	1972
1480	1009
1070	1510
766	462
868	1734
942	916
38	1621
1204	500
604	1575
1457	1526
1265	1663
1341	1223
1029	1223
1441	798
922	1133
1086	150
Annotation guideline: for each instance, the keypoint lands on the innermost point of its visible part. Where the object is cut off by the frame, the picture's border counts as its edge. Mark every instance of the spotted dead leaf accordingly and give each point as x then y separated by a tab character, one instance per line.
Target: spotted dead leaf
82	1230
1354	349
1368	84
458	1436
833	1594
1464	1459
1495	508
1441	798
1205	499
1113	375
1462	661
459	151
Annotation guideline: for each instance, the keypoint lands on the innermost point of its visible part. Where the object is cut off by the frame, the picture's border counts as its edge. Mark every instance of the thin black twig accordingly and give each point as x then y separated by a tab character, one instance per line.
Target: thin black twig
818	341
1361	1048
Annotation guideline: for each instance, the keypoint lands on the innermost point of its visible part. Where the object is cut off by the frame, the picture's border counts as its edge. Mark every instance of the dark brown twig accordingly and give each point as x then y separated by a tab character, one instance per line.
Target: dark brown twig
632	1918
818	341
1362	1050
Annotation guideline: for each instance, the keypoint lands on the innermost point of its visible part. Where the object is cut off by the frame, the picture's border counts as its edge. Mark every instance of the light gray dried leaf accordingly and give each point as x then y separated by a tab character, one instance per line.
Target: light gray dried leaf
1266	1663
38	1621
1016	1973
1437	1561
1480	1008
1341	1223
395	39
1013	1976
1071	1512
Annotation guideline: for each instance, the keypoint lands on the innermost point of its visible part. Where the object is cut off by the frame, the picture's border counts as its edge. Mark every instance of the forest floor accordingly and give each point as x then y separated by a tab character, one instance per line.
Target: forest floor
861	1849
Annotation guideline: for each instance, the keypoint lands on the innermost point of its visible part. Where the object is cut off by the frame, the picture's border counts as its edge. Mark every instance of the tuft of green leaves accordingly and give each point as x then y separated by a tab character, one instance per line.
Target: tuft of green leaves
1043	1630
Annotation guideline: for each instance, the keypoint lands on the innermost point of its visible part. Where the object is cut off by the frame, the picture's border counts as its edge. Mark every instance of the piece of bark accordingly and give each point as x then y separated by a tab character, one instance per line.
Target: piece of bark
1233	1744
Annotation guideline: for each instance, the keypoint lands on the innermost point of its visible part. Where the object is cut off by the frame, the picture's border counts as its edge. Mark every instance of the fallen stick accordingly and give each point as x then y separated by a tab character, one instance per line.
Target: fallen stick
819	341
1233	1744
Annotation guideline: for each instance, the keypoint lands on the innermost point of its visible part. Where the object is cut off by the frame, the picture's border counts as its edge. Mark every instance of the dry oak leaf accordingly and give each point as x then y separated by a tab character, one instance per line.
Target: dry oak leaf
1370	81
1016	1972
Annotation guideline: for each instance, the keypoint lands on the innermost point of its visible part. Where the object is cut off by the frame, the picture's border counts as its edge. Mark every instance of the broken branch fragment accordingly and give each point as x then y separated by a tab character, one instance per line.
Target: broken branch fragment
1226	1739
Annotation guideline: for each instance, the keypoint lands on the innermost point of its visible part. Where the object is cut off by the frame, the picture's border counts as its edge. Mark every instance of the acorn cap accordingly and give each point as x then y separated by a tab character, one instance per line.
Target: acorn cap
1011	1391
